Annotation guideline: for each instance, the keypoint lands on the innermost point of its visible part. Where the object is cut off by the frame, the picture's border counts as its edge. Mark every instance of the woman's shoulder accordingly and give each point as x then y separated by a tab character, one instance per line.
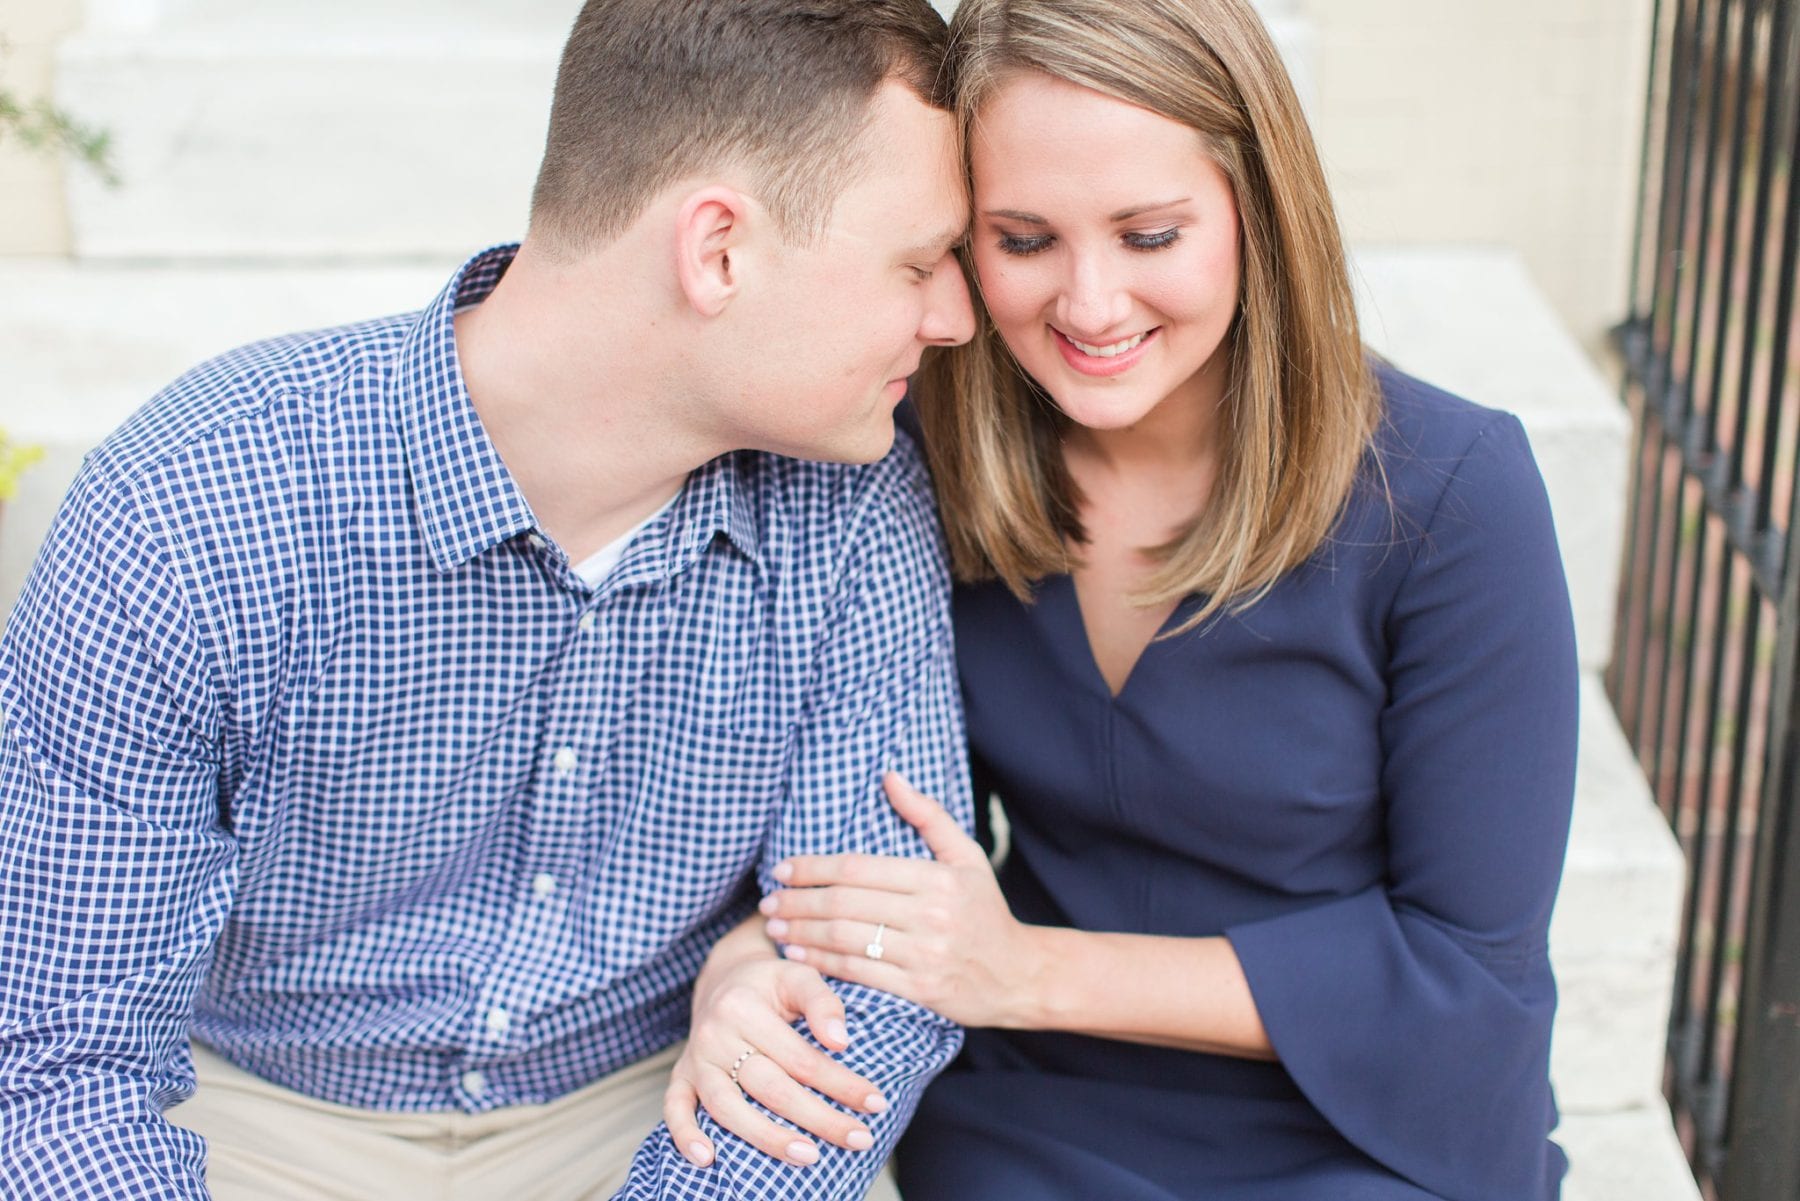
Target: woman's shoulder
1429	437
1420	419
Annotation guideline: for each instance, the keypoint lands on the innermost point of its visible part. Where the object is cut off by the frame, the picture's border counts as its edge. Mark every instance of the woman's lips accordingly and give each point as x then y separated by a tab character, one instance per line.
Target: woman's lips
1120	356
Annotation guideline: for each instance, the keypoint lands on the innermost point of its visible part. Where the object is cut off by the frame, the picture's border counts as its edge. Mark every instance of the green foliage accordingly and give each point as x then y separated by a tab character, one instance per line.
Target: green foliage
42	126
14	459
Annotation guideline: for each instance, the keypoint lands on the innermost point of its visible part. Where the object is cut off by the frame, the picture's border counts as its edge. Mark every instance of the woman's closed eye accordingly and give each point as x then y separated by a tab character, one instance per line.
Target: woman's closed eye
1024	245
1154	241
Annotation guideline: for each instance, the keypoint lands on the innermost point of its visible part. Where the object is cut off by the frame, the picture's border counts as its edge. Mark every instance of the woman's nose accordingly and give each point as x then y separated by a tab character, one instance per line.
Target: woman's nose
1093	301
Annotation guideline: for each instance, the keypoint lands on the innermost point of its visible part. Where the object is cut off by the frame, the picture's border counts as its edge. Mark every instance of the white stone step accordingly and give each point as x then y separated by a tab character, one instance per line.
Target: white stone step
1469	319
326	130
85	344
1628	1156
1612	939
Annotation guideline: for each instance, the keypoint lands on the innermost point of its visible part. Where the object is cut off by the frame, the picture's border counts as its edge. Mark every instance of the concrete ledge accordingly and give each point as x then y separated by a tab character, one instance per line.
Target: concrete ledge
266	145
86	344
1469	319
1612	939
1630	1156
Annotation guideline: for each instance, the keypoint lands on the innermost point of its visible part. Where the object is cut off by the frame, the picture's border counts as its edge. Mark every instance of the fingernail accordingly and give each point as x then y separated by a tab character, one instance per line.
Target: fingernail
797	954
838	1032
803	1152
768	904
776	927
699	1154
783	871
875	1103
860	1140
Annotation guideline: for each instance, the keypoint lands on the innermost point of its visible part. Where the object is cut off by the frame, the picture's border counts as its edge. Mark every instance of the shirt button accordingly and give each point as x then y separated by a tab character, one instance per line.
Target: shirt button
565	760
497	1021
537	541
588	620
543	884
474	1083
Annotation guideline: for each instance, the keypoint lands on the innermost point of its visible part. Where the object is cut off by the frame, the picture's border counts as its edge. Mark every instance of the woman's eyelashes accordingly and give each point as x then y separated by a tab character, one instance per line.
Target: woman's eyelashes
1023	245
1013	244
1155	241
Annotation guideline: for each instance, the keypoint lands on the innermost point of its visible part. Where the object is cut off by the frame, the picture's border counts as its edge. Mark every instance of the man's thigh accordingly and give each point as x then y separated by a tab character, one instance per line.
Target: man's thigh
264	1141
267	1143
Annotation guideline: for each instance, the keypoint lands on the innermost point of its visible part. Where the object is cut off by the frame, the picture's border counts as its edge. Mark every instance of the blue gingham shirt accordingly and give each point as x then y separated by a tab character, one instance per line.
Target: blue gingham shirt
313	746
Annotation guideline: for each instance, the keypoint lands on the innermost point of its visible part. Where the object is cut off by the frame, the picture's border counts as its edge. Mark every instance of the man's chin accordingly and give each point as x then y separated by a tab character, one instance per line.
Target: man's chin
869	444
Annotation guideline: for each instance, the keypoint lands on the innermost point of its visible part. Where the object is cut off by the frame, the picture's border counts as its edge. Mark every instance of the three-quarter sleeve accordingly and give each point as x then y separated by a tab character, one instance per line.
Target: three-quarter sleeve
1415	1015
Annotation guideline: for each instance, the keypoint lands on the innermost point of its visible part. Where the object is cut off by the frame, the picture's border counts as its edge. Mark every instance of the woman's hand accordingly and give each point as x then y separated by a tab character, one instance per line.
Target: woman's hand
745	1002
946	937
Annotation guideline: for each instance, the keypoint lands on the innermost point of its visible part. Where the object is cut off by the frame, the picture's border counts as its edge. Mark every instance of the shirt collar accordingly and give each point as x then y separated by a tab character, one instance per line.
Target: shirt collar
467	500
714	501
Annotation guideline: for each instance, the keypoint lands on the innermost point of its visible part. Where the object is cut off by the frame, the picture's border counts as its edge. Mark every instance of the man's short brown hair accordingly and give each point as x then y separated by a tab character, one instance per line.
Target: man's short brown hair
651	91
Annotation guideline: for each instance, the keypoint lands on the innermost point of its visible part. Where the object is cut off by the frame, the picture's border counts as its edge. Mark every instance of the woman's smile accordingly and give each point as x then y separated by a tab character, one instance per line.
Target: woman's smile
1108	359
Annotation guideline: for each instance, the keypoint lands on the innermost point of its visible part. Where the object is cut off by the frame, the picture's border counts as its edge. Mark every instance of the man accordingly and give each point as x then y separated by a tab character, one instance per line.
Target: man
402	711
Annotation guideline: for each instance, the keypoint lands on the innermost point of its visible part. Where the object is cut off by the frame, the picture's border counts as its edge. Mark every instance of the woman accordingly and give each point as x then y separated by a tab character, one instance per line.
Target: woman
1266	653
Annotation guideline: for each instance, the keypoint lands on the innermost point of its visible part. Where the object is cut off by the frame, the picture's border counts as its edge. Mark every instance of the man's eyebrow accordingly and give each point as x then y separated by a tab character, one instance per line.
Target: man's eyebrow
939	246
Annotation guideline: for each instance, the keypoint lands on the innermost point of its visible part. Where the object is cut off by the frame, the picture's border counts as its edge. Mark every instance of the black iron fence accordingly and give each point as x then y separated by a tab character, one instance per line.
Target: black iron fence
1704	670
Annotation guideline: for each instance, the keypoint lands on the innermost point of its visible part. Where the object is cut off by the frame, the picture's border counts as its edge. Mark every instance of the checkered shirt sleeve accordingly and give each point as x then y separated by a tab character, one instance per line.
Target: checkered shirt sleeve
884	697
116	879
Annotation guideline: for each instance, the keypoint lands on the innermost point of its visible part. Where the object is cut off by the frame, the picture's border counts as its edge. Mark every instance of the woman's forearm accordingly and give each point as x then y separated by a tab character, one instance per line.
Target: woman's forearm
1188	993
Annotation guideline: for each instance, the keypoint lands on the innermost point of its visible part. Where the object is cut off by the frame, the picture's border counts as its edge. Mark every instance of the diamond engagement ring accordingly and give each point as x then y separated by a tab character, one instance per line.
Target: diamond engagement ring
874	949
737	1065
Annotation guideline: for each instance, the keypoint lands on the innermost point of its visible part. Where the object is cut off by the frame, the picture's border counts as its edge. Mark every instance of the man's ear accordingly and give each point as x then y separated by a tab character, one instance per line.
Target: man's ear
710	226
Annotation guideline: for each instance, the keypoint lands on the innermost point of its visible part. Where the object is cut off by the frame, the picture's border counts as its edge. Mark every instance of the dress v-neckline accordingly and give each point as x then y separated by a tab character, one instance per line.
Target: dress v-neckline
1065	584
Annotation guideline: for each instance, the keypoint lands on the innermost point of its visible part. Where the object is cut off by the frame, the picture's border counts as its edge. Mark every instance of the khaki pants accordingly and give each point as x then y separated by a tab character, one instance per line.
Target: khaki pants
268	1143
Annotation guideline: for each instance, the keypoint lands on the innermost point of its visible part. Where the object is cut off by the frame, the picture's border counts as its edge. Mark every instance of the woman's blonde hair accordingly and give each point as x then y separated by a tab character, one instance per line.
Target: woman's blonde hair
1300	402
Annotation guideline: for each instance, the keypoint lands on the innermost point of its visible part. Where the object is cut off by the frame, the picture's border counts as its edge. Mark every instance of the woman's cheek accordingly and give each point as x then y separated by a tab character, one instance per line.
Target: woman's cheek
1010	295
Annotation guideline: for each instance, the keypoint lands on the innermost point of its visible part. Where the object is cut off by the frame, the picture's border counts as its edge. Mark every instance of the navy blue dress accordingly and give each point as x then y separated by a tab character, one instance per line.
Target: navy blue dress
1364	782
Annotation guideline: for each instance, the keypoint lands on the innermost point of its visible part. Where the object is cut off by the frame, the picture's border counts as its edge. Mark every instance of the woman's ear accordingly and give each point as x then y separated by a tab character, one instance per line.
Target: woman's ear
709	227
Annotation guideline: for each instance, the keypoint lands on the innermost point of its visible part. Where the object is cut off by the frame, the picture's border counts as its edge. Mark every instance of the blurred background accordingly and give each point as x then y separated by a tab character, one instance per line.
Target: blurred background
1577	210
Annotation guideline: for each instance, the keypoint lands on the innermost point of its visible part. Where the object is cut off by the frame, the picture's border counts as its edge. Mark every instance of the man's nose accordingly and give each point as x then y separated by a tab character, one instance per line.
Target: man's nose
949	316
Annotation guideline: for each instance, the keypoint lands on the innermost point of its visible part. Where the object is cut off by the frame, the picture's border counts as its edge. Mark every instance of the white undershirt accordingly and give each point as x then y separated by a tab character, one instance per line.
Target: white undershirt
594	569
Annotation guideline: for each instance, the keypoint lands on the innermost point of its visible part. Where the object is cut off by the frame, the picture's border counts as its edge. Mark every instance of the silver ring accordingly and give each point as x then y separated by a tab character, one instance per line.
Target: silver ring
875	950
737	1065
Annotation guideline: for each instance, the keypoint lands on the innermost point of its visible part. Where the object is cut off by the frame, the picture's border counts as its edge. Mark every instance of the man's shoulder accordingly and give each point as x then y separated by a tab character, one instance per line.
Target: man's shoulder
839	505
263	392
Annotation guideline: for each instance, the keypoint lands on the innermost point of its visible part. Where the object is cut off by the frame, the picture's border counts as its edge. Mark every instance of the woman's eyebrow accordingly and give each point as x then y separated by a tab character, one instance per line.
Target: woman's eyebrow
1140	209
1124	214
